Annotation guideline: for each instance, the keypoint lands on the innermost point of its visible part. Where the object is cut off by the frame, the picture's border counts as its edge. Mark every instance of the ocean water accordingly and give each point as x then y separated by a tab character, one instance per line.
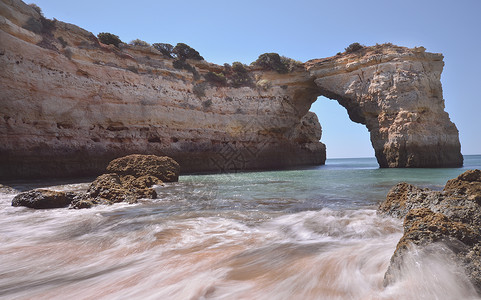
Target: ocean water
295	234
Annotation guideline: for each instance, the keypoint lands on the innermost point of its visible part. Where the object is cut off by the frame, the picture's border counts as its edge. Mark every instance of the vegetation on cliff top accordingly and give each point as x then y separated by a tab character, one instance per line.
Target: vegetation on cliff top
275	62
109	39
138	42
184	51
354	47
165	49
41	25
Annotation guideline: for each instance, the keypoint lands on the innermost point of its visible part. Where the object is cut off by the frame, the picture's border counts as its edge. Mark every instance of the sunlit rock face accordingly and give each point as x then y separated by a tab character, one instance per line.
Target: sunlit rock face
70	104
396	92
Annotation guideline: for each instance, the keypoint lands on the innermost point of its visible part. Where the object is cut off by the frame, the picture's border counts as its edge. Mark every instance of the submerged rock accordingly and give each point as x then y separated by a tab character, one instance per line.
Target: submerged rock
42	199
162	167
451	217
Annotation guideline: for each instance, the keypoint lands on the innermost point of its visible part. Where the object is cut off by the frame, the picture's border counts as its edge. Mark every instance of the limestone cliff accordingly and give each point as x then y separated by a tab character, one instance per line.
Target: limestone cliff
69	105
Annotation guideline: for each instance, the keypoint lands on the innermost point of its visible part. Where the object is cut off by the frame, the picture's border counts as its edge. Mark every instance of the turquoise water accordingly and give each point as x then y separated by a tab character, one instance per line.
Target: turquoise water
296	234
340	184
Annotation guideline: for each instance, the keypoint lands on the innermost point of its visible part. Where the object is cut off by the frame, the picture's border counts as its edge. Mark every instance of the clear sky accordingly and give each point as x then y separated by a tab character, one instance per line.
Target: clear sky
227	31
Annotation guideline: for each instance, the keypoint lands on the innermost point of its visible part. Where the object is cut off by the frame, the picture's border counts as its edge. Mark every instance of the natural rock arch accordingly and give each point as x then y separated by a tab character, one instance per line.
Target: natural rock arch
396	93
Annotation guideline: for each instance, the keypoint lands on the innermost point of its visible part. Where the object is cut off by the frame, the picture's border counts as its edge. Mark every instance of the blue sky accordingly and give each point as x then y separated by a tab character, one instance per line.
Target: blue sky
228	31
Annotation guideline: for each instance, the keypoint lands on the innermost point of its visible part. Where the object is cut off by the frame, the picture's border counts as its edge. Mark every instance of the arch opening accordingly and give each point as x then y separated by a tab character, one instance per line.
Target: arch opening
343	138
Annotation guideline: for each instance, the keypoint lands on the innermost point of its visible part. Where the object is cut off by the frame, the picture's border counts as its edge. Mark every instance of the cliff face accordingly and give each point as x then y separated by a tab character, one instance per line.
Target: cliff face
69	104
396	92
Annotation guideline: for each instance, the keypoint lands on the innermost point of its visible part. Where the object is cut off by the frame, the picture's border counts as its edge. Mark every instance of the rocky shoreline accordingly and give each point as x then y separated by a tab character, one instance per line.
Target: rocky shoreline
451	217
129	179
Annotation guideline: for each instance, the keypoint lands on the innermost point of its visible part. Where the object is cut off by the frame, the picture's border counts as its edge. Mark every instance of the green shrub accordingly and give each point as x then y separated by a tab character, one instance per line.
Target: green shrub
42	26
291	64
240	75
227	69
238	67
165	49
216	78
138	42
184	51
354	47
48	25
33	25
109	39
36	8
181	64
271	61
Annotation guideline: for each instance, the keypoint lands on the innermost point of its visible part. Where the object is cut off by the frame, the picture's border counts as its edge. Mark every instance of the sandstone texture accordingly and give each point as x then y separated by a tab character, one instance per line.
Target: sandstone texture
451	217
112	188
134	179
164	168
396	92
70	104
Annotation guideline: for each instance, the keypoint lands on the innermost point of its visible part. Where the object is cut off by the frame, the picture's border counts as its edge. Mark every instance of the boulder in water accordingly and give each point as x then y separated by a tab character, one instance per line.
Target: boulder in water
41	198
111	188
137	165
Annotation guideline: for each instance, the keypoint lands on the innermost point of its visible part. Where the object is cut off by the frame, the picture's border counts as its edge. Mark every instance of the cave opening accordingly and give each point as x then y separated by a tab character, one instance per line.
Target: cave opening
343	138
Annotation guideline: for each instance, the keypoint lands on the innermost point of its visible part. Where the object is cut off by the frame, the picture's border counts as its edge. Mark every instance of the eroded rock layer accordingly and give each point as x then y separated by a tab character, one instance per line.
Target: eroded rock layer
69	105
396	92
451	218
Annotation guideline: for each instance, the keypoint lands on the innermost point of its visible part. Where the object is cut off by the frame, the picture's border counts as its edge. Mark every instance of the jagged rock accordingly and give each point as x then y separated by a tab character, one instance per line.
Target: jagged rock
41	199
145	181
162	167
467	184
132	183
459	200
451	217
102	183
402	198
111	188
